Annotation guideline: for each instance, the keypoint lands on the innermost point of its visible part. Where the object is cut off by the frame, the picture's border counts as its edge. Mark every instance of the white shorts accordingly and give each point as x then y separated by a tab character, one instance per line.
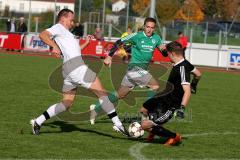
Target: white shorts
82	76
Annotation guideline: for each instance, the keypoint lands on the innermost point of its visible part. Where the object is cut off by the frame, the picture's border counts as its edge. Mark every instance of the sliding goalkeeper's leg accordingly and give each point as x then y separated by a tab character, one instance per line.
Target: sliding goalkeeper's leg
96	108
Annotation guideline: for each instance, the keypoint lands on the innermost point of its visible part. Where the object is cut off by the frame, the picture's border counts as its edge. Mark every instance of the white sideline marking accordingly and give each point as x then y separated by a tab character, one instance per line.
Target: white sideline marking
135	150
210	133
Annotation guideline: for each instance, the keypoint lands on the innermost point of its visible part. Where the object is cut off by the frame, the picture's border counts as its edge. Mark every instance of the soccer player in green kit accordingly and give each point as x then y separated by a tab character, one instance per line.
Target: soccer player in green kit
143	45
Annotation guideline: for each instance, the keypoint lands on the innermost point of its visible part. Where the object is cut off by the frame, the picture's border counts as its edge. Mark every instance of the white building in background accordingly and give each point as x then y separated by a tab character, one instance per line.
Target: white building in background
112	19
37	6
118	5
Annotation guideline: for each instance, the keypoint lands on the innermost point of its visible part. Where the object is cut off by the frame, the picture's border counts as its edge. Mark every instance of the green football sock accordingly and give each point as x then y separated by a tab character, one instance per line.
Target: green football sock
150	94
98	107
111	96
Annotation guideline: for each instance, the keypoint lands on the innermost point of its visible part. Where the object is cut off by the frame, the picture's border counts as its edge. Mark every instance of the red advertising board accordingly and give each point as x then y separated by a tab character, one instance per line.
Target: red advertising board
96	48
10	41
158	57
101	48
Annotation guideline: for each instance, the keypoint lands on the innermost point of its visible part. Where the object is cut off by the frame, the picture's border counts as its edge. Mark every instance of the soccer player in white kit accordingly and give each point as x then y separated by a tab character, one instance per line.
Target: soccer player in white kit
74	71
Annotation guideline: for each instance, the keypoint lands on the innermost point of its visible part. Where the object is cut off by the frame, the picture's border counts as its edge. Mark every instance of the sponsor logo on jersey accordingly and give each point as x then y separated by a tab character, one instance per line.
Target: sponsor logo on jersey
153	41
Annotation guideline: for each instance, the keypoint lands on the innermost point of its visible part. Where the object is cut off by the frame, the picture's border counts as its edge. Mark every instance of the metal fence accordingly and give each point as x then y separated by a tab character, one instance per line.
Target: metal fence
36	24
205	32
208	33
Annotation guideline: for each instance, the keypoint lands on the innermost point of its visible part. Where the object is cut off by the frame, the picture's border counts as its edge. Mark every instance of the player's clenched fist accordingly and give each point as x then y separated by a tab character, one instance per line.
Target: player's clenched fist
108	61
56	51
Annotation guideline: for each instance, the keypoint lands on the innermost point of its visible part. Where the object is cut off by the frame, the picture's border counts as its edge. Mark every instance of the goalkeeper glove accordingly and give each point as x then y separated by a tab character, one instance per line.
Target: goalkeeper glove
179	113
194	85
193	88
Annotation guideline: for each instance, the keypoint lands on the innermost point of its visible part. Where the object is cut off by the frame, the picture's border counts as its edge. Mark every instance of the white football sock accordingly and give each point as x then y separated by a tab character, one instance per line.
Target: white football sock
51	111
116	121
108	107
40	119
106	104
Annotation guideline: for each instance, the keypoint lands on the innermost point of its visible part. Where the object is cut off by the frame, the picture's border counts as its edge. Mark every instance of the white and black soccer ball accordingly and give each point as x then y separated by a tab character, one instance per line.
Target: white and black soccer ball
135	130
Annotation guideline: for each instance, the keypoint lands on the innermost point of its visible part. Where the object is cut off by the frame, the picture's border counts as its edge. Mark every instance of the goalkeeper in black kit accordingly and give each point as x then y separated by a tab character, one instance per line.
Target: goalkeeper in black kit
172	101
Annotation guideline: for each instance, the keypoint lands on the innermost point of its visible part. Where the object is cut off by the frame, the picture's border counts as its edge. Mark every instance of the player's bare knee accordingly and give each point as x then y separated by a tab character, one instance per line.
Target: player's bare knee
67	103
154	87
143	110
146	125
143	125
99	92
120	96
148	129
97	88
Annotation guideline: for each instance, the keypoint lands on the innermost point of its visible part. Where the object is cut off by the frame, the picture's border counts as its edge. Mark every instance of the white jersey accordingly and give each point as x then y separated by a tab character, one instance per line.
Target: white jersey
66	41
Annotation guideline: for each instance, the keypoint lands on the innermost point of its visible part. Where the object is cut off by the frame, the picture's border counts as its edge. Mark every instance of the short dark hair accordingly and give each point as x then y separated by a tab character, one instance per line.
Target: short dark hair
149	19
175	47
64	12
129	27
180	32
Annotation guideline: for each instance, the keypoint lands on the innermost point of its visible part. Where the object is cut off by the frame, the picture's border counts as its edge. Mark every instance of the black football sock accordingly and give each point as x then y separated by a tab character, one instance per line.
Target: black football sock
160	131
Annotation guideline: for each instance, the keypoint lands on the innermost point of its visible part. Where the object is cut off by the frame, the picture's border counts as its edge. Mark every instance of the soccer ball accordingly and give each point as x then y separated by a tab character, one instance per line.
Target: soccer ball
135	130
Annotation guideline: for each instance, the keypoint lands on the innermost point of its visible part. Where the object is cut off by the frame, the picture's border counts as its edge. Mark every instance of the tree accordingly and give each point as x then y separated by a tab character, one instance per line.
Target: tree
190	11
138	6
209	7
222	9
226	9
91	6
86	5
165	9
6	12
45	20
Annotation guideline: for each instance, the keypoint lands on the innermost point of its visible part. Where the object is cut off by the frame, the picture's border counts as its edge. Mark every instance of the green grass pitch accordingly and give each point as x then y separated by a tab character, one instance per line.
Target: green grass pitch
211	129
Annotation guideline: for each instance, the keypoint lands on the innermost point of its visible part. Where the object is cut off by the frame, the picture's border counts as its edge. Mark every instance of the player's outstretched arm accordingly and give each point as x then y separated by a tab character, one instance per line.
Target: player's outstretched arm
163	50
108	59
186	97
87	40
196	77
45	36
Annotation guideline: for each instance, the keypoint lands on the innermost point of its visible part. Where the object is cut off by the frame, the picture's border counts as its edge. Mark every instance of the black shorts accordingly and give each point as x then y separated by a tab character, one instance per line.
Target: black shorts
159	110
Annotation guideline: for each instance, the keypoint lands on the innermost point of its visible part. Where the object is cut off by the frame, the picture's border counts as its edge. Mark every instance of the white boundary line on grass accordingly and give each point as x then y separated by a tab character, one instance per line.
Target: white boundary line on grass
210	133
135	150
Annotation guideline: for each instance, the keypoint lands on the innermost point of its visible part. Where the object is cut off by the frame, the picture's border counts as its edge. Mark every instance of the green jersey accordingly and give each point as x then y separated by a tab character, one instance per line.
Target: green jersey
142	48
